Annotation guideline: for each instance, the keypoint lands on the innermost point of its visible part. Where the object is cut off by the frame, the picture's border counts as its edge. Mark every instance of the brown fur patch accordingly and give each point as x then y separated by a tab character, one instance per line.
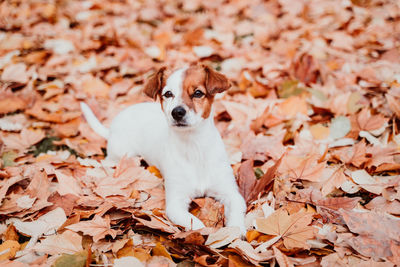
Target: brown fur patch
155	83
195	79
206	80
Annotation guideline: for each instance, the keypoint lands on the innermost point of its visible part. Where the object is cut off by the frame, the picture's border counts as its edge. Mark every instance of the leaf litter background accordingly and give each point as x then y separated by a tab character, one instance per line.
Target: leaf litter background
311	125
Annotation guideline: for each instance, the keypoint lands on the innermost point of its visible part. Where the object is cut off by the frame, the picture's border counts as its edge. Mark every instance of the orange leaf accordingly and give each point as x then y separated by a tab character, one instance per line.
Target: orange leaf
8	249
155	171
293	105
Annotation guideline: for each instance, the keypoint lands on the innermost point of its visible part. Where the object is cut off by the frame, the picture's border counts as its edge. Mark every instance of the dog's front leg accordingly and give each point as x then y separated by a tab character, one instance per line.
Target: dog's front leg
177	205
234	204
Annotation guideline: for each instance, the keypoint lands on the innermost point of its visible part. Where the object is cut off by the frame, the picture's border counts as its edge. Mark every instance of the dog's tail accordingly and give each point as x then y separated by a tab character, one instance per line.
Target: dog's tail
94	123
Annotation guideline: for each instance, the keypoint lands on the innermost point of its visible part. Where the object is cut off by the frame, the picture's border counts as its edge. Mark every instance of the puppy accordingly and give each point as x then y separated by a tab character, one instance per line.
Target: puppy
180	138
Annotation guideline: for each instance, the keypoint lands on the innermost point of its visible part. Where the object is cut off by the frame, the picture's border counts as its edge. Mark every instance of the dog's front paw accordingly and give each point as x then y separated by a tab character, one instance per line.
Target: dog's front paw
195	224
241	226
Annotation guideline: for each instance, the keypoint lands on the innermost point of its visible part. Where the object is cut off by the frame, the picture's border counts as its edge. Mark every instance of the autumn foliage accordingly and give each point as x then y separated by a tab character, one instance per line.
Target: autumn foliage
311	126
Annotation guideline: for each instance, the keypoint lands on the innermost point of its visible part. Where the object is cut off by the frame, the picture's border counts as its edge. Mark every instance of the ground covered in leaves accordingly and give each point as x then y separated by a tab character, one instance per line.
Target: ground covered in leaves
311	126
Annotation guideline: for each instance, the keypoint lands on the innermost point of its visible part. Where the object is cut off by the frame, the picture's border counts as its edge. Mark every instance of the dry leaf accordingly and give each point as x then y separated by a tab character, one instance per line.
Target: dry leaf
68	242
8	249
293	229
98	228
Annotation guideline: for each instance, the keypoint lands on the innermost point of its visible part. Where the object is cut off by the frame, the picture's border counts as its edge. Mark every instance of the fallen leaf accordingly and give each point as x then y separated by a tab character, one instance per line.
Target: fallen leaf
160	250
66	243
373	228
98	228
76	260
281	258
247	251
15	73
67	184
11	103
23	141
46	224
8	249
127	261
223	237
293	229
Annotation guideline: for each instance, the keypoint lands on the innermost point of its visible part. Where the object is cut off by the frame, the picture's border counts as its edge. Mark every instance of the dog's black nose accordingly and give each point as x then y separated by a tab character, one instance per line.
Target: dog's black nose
178	113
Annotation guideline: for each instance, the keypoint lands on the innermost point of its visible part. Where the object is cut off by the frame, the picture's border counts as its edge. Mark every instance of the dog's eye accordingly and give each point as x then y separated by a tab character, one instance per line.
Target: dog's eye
198	94
168	94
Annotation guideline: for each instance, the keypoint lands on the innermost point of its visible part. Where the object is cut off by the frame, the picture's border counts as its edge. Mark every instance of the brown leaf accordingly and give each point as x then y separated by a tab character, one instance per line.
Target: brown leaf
304	168
66	202
367	122
98	228
68	242
11	103
335	181
336	203
264	181
293	229
306	69
393	103
246	179
249	186
356	155
281	258
210	212
374	229
23	141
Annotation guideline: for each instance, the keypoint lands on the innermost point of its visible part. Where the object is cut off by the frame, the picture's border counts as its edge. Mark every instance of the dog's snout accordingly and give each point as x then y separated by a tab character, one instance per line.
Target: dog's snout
178	113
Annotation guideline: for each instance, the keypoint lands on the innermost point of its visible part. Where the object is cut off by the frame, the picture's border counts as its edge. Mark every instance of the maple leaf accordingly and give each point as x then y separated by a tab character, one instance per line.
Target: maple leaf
304	168
356	155
293	229
367	122
98	228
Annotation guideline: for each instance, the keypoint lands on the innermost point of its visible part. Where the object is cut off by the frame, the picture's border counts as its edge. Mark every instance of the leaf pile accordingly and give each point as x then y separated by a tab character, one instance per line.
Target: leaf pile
311	126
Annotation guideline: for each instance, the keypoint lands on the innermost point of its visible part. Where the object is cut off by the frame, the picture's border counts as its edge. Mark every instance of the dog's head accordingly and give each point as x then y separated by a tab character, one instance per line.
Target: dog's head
187	95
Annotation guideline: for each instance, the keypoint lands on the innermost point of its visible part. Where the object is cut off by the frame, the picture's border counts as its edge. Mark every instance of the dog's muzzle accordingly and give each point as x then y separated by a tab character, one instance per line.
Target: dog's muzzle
178	113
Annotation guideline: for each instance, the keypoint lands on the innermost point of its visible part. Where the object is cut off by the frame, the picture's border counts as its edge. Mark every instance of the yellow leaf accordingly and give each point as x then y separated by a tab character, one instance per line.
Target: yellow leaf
160	250
8	249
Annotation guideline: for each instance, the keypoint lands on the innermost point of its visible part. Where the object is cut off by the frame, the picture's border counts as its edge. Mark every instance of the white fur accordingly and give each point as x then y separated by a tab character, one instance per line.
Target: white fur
192	159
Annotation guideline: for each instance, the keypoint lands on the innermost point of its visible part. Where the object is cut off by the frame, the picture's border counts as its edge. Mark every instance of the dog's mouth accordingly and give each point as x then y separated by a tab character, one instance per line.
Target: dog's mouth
180	124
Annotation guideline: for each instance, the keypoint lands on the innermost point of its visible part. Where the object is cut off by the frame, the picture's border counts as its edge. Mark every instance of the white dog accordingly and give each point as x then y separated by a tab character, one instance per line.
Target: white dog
180	138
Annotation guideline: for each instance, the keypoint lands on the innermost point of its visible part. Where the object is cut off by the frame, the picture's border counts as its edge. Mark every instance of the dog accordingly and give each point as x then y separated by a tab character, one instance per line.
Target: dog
178	136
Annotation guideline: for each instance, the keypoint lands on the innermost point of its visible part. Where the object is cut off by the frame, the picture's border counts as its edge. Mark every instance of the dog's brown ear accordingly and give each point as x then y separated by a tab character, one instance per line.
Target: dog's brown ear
215	82
155	84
